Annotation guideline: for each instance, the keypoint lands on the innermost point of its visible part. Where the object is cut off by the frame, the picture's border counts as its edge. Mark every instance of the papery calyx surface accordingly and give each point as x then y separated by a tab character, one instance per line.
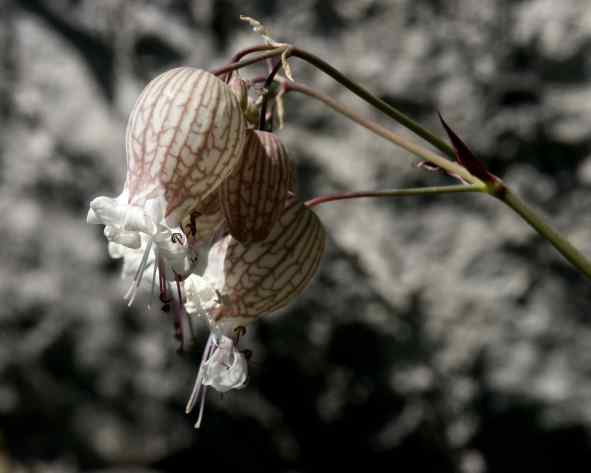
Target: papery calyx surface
254	194
244	281
184	136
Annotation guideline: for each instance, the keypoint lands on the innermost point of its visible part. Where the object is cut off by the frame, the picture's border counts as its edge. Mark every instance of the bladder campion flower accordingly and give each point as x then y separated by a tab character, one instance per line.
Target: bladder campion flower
199	184
132	230
210	202
185	134
184	137
243	281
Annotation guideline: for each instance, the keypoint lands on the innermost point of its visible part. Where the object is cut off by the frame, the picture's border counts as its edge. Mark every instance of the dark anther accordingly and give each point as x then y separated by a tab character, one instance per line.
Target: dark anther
177	238
166	307
247	354
239	332
192	225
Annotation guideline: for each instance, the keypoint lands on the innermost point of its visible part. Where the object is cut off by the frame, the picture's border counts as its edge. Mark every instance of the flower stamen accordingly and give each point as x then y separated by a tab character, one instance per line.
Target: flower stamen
153	285
178	315
135	284
199	382
177	238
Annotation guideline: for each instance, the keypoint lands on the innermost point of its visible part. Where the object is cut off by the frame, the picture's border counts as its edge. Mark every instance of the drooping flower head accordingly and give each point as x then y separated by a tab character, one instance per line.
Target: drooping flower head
246	280
210	206
184	137
185	134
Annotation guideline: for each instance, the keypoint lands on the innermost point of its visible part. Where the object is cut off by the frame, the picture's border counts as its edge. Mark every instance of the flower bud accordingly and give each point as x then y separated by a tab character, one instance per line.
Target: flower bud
254	195
184	136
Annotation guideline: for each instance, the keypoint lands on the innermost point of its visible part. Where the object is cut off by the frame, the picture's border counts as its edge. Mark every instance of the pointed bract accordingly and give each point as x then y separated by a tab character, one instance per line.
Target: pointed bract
465	157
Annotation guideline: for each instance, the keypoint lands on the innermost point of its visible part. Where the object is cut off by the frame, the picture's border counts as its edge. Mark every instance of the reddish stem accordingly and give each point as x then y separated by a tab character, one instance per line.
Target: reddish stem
253	49
393	193
247	62
263	112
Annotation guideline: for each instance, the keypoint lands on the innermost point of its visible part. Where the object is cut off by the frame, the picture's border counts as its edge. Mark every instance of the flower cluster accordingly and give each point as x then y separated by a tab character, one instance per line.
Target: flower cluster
209	203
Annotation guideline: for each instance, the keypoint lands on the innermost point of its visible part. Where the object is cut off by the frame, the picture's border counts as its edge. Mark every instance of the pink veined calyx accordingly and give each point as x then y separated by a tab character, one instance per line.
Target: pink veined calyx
185	134
209	205
244	281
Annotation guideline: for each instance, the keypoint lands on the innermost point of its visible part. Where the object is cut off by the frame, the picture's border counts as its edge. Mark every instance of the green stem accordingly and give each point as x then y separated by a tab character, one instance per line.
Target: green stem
498	189
534	219
395	193
378	103
379	130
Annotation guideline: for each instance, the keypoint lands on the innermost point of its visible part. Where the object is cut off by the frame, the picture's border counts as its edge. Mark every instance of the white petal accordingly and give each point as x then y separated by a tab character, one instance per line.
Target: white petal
131	262
200	295
92	218
116	250
131	240
136	220
154	210
106	210
226	369
199	380
175	254
215	263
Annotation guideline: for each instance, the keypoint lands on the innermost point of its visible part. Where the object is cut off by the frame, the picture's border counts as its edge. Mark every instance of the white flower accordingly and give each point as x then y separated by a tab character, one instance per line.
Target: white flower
207	296
184	136
223	367
133	231
243	281
226	368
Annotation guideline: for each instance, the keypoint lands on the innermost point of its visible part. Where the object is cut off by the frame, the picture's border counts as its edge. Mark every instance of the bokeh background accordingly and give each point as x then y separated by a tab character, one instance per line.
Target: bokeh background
441	334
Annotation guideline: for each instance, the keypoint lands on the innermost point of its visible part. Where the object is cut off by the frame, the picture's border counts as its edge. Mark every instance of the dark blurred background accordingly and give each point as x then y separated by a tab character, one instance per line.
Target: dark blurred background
441	334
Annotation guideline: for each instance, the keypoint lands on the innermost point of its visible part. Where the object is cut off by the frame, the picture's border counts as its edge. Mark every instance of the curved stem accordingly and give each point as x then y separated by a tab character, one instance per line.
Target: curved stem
253	49
378	103
357	89
394	193
564	247
266	86
247	62
498	189
379	130
245	52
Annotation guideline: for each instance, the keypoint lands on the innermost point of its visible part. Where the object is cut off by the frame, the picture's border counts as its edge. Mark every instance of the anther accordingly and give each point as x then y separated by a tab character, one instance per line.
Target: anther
239	332
177	238
192	225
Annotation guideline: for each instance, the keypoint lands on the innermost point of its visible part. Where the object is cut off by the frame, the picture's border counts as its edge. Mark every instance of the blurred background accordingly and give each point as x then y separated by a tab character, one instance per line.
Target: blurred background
441	334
